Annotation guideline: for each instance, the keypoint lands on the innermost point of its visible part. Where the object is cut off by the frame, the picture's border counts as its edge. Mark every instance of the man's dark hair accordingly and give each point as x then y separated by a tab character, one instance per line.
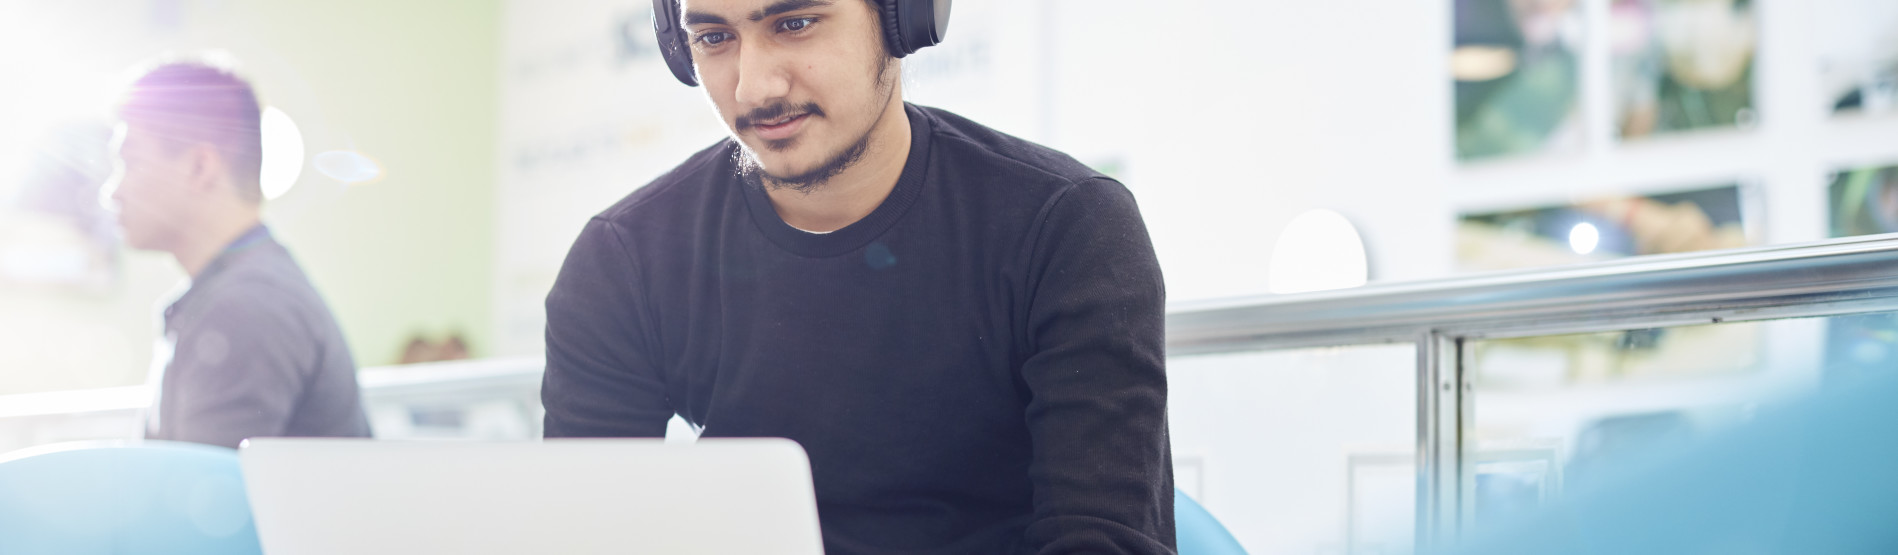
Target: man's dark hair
186	103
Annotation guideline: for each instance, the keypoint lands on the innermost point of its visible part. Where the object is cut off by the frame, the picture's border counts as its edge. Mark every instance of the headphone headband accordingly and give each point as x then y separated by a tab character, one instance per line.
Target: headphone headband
908	26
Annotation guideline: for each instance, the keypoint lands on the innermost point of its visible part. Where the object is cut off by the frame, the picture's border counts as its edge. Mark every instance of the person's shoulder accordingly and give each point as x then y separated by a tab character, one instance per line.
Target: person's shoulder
252	303
689	183
1018	161
266	286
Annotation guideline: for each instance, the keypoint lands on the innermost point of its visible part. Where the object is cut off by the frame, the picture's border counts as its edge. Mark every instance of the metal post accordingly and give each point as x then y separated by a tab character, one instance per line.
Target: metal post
1440	407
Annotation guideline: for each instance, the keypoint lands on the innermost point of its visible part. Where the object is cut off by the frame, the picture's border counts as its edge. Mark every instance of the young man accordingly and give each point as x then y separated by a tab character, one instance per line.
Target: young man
250	349
963	329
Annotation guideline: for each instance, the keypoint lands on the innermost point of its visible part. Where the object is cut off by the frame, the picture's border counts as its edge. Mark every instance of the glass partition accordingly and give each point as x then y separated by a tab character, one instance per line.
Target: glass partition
1301	451
1555	413
496	399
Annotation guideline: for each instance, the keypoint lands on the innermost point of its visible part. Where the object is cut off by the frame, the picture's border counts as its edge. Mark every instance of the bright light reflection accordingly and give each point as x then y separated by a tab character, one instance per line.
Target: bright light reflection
283	152
1584	238
347	166
1481	63
46	96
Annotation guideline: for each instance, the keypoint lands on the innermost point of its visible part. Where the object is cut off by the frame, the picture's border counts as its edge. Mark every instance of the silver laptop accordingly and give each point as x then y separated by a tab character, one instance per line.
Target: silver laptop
366	497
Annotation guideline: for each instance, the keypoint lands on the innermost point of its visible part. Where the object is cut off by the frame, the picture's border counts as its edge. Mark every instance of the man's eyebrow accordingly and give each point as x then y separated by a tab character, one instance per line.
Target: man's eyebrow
782	6
702	18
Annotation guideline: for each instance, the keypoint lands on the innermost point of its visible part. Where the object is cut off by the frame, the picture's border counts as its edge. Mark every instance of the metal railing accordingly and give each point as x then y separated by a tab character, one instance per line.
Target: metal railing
1831	278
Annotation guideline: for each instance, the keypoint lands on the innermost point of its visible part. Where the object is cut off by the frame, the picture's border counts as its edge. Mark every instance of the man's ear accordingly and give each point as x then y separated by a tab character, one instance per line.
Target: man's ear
204	168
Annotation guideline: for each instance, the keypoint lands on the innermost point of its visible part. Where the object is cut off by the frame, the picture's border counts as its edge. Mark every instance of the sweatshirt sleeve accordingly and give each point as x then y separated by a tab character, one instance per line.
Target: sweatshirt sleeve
601	379
1102	466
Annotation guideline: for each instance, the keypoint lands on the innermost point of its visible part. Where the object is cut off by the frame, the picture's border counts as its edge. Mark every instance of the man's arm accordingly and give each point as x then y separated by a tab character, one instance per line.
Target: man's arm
238	372
600	381
1102	467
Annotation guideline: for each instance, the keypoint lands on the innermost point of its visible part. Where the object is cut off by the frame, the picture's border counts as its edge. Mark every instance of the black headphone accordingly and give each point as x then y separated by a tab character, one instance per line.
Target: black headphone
908	26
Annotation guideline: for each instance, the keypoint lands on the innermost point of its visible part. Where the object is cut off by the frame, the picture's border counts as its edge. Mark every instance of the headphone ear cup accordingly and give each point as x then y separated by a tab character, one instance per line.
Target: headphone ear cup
911	25
673	44
893	28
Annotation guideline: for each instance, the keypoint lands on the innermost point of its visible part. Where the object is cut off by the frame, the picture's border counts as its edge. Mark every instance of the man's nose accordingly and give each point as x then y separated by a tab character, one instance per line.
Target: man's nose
761	75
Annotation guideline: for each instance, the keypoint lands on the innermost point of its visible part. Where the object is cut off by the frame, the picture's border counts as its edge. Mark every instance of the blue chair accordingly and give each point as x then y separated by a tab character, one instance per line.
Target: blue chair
1196	532
150	498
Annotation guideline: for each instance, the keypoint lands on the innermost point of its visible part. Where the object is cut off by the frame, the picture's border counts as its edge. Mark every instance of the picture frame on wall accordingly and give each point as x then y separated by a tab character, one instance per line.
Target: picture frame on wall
1608	226
1517	72
1863	200
1856	44
1683	65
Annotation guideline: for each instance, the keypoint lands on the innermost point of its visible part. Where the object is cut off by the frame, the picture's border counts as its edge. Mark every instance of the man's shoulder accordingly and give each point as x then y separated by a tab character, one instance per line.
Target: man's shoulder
251	316
1020	161
686	184
266	288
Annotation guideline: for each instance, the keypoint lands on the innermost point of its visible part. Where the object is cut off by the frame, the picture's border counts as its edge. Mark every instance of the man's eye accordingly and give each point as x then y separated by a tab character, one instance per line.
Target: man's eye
795	25
714	39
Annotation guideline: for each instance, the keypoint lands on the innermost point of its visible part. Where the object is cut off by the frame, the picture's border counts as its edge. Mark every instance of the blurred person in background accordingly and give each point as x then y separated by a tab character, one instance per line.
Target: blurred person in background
249	349
962	329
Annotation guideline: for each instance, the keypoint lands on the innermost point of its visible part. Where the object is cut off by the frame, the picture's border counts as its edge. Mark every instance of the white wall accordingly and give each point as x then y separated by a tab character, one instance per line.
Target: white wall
1232	117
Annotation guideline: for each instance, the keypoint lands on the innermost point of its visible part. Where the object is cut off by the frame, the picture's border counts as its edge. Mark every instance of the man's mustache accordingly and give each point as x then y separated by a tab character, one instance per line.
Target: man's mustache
775	111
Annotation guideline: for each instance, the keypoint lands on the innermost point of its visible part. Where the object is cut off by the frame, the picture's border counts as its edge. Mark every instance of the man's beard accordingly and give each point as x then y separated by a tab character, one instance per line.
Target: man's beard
809	180
814	178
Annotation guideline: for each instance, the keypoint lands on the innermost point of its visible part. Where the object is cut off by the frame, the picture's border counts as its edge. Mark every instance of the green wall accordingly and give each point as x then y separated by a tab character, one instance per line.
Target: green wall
413	84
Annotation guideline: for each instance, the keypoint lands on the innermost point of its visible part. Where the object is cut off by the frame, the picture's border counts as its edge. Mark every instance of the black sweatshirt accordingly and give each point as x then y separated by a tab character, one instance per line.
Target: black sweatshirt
975	367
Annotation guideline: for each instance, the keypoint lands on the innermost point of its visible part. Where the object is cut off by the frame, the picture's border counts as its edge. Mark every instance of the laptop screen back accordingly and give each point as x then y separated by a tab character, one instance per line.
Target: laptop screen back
585	496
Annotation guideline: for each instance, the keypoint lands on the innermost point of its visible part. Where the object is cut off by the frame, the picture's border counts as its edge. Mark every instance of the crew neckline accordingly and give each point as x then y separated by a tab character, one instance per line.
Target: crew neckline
233	252
909	186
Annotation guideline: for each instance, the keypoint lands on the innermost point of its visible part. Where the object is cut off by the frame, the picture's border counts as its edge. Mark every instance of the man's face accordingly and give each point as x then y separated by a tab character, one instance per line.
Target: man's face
800	83
149	188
